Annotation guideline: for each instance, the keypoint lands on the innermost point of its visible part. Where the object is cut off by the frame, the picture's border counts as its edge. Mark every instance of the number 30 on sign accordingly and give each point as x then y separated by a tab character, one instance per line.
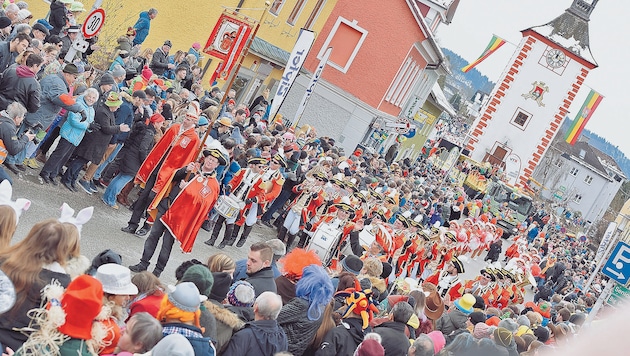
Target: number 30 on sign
93	23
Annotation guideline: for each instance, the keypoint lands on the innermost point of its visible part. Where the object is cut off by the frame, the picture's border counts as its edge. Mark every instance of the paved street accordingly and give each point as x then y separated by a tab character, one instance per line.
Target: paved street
103	231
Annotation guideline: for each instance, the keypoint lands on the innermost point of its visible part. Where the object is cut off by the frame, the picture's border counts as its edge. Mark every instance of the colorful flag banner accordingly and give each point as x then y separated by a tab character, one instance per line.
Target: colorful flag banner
494	44
590	104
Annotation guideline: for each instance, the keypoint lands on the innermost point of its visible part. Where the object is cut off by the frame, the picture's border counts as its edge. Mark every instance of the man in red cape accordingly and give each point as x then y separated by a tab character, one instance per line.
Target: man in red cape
182	212
175	149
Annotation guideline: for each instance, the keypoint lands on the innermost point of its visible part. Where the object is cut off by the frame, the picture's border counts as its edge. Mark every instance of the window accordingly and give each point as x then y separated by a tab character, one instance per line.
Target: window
276	6
346	37
588	180
521	118
297	9
577	198
559	162
411	78
574	171
314	14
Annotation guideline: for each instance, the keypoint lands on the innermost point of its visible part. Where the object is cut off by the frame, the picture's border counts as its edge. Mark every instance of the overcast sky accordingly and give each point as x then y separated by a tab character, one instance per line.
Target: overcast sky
476	21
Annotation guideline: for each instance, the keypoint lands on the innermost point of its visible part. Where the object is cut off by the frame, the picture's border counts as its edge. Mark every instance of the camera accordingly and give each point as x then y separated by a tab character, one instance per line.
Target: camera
38	131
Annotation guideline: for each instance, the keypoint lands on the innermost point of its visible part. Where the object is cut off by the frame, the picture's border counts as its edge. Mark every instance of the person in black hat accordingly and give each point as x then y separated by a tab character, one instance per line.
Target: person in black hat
159	61
180	213
5	28
39	31
71	36
447	281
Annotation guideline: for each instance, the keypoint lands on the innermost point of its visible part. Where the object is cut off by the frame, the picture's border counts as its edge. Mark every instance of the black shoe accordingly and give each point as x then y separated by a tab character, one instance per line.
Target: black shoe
209	242
137	268
128	229
222	244
20	167
143	232
11	167
241	242
98	183
69	186
54	182
156	273
45	178
268	224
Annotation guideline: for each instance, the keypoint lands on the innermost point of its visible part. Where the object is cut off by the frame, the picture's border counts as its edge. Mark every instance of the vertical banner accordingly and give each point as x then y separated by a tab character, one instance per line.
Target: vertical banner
512	168
292	68
590	104
311	86
226	42
610	230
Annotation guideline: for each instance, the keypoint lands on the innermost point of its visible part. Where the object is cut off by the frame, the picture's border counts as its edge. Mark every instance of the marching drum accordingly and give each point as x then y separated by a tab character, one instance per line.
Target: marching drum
324	242
228	206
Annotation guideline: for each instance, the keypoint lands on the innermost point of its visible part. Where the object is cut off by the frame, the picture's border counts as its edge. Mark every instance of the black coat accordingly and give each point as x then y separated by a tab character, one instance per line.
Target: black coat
159	62
57	18
137	147
395	342
263	281
343	339
94	144
20	84
261	337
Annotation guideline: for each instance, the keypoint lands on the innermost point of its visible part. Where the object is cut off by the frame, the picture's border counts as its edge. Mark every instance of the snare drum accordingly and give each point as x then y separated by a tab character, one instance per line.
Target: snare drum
228	206
324	242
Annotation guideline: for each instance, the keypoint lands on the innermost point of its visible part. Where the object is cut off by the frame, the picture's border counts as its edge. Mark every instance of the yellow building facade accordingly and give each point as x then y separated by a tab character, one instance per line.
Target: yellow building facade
189	21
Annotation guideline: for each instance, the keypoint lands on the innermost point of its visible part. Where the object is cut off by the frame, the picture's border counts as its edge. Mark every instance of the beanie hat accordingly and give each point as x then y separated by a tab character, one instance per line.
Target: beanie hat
118	71
107	79
370	347
147	73
173	345
81	302
477	317
185	296
5	22
523	320
241	294
157	117
482	330
493	321
387	270
509	324
222	283
352	264
439	341
503	337
200	275
542	334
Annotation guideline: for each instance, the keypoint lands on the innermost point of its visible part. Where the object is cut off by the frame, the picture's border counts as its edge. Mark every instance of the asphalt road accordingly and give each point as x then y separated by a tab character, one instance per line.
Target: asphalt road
103	230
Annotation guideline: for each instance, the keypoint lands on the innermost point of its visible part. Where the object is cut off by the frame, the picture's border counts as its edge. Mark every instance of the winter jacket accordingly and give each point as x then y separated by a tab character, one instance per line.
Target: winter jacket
53	88
136	148
124	44
454	320
74	129
395	342
58	17
6	56
95	143
118	60
294	321
201	345
343	339
263	281
142	27
8	135
159	62
20	84
260	337
227	323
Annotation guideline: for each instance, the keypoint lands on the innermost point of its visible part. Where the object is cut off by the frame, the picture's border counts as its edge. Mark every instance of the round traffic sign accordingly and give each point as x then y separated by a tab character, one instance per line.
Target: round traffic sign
93	23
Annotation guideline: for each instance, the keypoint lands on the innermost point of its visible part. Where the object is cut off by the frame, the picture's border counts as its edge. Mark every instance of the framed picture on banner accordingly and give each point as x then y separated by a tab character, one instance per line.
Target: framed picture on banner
227	36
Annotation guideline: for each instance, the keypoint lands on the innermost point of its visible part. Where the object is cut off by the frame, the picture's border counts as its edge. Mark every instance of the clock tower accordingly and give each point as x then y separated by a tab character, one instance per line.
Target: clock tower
534	93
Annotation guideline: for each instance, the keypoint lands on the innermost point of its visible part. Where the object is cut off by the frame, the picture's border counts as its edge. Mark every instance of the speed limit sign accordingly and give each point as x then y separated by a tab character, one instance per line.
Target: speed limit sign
93	23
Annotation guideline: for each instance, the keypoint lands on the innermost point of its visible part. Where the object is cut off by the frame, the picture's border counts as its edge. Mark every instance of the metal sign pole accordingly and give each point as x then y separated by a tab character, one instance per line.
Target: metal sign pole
601	262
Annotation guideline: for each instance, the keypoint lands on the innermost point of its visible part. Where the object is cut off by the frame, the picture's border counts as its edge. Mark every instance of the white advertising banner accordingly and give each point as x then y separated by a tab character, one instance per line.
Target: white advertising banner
311	86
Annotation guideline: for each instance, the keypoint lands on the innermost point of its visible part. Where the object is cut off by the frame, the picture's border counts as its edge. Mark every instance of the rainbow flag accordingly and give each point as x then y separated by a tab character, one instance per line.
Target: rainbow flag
590	104
494	44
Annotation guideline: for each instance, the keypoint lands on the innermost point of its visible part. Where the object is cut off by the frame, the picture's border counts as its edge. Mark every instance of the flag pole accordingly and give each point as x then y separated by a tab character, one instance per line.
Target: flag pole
232	78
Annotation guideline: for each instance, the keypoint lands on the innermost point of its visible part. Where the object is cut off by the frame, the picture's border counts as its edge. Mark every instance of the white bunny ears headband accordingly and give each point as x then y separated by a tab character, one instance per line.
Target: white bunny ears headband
67	215
19	205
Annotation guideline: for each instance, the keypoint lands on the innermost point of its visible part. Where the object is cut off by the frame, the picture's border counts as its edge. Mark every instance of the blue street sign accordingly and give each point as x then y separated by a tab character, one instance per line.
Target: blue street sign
618	265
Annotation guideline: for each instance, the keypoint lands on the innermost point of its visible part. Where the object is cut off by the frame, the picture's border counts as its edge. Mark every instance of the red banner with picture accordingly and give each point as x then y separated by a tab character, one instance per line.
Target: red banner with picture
227	40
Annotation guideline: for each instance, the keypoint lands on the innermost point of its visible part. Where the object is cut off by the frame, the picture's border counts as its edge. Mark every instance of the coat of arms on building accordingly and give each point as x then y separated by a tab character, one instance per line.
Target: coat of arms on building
538	89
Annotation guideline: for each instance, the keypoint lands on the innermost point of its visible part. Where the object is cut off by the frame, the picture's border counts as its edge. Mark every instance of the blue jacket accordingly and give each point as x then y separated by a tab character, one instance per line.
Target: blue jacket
142	28
201	345
74	129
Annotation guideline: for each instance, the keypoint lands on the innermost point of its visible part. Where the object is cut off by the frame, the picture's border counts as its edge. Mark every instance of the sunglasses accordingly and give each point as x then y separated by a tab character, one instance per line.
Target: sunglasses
486	276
